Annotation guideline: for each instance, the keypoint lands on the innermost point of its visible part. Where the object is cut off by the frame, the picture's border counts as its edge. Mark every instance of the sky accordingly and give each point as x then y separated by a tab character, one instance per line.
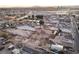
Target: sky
30	3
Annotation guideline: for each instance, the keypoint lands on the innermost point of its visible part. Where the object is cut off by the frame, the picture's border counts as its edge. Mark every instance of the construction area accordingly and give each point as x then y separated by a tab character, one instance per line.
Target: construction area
28	31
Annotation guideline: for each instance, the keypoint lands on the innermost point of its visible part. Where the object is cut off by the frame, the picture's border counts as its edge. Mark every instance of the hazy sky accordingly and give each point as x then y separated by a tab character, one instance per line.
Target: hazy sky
27	3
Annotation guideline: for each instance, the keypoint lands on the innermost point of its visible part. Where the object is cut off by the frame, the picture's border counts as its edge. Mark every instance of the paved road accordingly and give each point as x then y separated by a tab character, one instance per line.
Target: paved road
75	34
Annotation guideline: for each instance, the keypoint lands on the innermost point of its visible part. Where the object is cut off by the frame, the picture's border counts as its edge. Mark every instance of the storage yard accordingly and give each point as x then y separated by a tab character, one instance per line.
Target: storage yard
31	31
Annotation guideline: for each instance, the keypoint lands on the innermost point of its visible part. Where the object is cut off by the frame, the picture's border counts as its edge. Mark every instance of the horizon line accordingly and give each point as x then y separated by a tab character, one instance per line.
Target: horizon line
5	6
